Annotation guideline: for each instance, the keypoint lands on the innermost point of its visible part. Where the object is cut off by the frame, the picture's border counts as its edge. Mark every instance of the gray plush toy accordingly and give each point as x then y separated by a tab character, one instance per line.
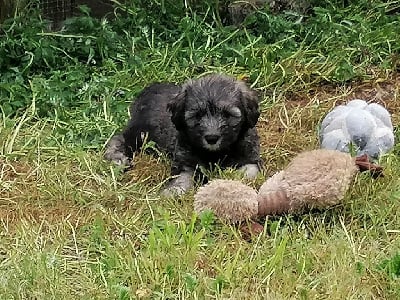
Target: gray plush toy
367	127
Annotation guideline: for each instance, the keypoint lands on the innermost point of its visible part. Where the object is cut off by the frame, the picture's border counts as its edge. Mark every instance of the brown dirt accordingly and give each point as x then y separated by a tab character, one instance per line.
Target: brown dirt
15	169
21	199
35	214
148	169
17	180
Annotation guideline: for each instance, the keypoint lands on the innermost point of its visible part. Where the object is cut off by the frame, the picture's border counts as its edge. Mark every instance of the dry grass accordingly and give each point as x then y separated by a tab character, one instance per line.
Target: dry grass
72	226
76	227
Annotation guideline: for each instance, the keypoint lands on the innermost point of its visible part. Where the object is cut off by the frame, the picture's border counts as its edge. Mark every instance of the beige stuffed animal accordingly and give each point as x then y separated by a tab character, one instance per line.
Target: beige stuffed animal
313	179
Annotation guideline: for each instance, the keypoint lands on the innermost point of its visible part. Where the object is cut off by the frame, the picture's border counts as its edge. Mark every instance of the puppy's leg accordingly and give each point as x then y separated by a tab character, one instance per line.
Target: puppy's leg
116	151
179	184
250	170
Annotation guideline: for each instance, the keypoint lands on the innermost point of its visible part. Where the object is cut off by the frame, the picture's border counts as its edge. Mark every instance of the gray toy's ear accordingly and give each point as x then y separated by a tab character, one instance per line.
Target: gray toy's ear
177	108
249	100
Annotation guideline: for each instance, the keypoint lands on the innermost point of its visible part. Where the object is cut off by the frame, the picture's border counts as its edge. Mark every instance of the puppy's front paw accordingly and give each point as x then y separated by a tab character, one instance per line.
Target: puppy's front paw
118	158
115	151
250	170
179	185
173	191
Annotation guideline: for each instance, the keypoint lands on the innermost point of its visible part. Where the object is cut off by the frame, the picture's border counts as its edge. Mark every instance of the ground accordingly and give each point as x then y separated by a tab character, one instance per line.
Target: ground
74	226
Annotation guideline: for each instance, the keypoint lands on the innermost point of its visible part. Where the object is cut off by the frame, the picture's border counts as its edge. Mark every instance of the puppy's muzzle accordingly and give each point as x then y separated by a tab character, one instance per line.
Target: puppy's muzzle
212	136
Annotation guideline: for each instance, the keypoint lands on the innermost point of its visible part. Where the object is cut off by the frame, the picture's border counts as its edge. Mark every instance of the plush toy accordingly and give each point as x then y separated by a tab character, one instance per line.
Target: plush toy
313	179
367	127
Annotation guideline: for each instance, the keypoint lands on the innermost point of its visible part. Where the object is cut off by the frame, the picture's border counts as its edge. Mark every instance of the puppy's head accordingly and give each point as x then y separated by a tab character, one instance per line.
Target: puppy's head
214	111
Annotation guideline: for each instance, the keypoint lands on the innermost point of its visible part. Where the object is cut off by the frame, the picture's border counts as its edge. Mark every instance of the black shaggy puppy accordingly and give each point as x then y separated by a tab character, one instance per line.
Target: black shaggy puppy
205	121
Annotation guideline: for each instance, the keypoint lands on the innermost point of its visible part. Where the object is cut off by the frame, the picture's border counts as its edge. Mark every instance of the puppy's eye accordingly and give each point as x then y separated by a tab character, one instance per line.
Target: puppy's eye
233	112
199	115
194	115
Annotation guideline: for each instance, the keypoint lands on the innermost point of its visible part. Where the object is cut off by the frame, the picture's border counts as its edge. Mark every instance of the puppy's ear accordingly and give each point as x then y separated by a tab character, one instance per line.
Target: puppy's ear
249	99
177	108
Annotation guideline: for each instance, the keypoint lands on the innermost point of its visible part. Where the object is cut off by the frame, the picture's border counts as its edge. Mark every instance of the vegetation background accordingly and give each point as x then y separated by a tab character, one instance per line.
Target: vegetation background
75	227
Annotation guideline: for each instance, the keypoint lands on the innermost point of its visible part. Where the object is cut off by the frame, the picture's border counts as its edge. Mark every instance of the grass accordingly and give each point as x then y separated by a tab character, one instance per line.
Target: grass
74	226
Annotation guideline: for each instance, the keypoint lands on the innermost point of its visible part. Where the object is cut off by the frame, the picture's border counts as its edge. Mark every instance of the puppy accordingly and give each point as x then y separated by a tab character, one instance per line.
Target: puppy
205	121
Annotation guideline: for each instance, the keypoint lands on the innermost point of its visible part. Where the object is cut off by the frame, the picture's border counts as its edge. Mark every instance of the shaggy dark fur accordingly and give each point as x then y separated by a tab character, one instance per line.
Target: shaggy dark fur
205	121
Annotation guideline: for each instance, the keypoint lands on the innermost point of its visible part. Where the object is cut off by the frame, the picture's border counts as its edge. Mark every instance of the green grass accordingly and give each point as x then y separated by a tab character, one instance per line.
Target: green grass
75	227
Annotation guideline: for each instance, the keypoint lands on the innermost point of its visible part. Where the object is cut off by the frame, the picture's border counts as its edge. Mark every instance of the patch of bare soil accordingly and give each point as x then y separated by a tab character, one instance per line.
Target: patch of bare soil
20	197
36	213
17	179
148	169
16	169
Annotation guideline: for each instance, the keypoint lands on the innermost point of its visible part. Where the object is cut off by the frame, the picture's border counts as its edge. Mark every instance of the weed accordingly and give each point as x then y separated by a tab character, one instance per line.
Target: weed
75	227
392	266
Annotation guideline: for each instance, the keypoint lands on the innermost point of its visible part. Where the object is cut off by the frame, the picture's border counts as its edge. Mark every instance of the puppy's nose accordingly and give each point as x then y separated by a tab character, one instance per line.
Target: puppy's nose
212	138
